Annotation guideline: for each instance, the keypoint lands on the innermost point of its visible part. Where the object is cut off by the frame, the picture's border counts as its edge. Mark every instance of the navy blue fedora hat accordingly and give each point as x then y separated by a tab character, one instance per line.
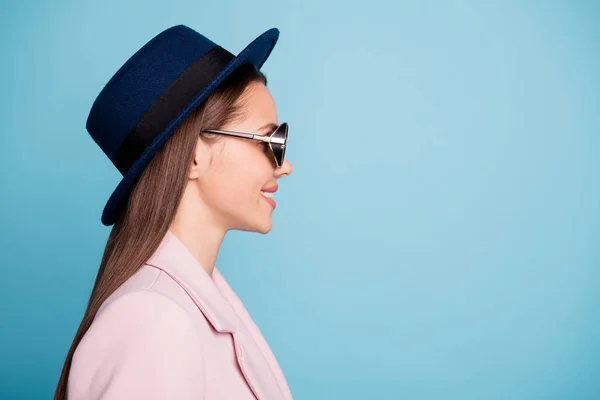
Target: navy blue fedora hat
153	92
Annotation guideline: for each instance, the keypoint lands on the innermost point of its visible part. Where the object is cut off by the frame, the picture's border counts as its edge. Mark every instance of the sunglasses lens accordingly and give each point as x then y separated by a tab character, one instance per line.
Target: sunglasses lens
279	149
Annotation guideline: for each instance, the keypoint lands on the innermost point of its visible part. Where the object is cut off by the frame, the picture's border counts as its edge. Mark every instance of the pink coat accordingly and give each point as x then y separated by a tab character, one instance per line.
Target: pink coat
172	332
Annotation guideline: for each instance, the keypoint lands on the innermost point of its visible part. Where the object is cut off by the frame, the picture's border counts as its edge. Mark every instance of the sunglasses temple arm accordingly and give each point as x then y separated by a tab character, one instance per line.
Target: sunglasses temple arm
228	133
261	138
269	139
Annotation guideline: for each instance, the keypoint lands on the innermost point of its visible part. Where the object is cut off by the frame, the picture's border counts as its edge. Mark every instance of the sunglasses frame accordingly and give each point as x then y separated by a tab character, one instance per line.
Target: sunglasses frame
270	139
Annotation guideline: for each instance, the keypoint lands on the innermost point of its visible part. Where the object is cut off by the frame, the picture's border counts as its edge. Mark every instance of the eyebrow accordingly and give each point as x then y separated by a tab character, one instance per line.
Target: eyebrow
270	126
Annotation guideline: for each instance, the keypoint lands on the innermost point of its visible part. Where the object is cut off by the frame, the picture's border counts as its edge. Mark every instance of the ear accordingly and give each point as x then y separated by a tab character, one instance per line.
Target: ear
201	159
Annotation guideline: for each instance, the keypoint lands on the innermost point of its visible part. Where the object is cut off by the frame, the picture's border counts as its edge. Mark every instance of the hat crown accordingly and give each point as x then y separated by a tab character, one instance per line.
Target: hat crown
137	85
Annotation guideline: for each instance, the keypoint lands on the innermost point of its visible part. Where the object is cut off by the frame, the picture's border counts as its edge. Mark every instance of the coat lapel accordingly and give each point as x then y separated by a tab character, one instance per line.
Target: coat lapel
246	322
173	258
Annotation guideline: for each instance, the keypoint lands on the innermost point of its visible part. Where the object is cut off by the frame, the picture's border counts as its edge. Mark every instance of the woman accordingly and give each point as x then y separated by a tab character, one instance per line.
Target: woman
194	131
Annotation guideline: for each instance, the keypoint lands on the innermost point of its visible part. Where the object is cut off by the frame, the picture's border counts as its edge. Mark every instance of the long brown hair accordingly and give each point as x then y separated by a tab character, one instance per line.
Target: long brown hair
154	200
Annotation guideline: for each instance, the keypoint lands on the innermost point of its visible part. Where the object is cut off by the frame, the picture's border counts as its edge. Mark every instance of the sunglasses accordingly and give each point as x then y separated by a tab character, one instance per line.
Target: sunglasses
276	140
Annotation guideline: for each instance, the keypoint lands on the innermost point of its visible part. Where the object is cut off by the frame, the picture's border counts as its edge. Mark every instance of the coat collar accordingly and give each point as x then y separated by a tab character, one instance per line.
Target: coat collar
175	259
210	296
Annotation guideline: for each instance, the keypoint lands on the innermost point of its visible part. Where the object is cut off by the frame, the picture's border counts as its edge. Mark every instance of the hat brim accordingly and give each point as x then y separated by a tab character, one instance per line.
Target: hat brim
256	53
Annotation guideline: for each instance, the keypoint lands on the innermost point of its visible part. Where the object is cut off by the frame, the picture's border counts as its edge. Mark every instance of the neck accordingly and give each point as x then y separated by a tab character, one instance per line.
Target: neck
198	231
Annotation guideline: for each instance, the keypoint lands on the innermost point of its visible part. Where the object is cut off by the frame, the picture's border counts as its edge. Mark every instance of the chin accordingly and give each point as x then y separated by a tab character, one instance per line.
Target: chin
264	228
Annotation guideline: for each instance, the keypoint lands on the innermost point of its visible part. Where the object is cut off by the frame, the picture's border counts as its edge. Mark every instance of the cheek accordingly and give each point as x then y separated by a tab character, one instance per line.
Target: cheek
238	181
240	193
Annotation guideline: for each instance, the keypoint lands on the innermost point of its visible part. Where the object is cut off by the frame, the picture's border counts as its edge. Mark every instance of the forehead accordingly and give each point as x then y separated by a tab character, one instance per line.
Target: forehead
258	107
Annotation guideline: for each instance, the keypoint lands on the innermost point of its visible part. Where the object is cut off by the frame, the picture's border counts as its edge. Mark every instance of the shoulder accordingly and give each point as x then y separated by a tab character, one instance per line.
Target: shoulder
142	308
140	321
141	339
149	290
150	299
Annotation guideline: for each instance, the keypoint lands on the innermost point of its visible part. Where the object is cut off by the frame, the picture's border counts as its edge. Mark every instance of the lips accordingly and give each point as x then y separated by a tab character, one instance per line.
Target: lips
267	194
271	189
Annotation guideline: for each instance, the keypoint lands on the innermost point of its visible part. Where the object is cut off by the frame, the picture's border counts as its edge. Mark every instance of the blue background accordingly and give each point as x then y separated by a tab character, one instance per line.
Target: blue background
438	239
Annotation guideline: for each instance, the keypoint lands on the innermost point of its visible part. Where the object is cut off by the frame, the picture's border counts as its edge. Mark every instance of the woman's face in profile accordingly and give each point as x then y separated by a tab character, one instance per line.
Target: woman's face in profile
239	181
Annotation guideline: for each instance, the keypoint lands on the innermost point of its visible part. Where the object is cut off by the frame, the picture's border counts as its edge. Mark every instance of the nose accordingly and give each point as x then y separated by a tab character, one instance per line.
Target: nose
284	170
